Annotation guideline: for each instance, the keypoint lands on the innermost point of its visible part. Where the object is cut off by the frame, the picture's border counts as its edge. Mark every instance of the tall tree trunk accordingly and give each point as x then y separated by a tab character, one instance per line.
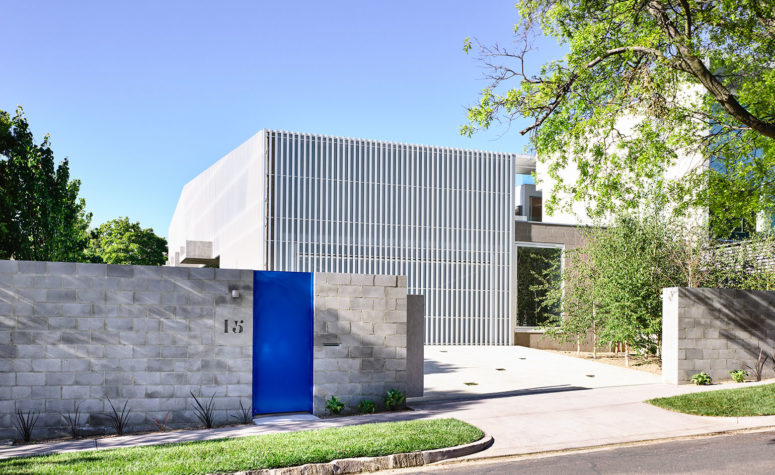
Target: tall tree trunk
626	354
594	334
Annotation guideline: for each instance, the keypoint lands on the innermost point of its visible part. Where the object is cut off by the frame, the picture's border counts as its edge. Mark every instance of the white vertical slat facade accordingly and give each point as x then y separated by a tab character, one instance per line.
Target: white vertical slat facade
441	216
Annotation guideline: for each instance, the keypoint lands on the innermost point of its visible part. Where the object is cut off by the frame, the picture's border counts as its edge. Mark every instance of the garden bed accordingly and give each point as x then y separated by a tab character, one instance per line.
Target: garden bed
256	452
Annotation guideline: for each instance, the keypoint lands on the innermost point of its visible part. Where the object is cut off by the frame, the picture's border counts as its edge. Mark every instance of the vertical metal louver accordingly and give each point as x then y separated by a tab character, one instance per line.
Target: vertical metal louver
441	216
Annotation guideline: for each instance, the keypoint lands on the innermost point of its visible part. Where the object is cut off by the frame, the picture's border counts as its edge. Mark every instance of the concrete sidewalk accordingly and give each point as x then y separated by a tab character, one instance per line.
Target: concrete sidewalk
550	404
549	421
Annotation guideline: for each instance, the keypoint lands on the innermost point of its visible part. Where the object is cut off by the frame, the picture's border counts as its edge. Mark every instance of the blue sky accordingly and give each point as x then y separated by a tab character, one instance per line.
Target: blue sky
143	96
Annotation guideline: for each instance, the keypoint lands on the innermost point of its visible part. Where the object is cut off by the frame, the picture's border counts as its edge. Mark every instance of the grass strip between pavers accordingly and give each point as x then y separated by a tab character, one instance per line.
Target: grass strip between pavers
738	402
256	452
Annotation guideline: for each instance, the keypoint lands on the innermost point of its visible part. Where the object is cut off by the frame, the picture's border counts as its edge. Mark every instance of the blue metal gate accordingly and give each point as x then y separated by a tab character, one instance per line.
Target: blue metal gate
282	342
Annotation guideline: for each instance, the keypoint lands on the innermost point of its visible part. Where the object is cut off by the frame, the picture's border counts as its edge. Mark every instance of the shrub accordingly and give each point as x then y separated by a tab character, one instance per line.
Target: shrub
758	369
119	420
702	379
25	423
204	412
245	415
162	425
367	406
71	419
738	375
394	399
334	405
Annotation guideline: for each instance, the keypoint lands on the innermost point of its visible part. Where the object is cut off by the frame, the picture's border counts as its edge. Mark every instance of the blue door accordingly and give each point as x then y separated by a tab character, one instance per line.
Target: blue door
282	342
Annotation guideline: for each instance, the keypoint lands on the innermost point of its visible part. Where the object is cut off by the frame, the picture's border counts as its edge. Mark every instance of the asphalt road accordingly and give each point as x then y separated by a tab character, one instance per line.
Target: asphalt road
752	453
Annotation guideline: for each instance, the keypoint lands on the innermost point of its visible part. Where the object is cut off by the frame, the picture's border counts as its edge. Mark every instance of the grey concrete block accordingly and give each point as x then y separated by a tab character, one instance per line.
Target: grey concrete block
119	297
227	274
29	379
47	309
30	267
8	267
385	280
92	270
91	296
77	309
114	270
60	379
147	298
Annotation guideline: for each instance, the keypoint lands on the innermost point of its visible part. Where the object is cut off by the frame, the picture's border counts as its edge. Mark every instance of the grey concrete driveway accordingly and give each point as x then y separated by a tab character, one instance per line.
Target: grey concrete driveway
456	372
549	401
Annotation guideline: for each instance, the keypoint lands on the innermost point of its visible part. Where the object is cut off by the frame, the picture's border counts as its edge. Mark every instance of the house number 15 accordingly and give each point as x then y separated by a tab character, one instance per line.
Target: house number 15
235	328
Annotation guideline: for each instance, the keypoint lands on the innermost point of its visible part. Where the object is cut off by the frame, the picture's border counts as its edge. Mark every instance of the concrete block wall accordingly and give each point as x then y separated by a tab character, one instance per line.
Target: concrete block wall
716	331
360	327
79	333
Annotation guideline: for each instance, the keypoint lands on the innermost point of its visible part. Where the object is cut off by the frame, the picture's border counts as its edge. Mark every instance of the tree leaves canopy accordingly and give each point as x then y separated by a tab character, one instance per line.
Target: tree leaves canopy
41	216
643	83
120	241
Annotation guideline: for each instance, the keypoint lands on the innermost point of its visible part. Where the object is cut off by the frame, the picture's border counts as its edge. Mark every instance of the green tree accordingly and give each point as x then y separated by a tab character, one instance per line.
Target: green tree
120	241
41	216
644	82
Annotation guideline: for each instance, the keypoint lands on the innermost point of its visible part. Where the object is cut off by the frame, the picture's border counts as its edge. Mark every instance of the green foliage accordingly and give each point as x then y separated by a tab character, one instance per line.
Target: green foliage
394	399
334	405
738	375
538	272
41	216
613	285
120	241
367	406
257	452
642	84
702	379
204	411
739	402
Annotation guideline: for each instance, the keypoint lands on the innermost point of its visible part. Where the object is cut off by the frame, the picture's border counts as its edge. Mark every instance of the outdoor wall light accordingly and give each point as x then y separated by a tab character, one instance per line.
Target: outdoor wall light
235	294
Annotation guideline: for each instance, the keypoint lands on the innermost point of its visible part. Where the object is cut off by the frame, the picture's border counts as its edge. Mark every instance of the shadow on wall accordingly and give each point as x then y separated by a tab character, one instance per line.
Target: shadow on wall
736	323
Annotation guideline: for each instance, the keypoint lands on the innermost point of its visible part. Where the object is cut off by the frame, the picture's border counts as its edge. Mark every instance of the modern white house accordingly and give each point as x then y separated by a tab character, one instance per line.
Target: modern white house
444	217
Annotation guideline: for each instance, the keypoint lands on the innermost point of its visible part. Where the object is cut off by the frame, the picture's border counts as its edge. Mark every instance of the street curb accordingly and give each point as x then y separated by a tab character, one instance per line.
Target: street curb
598	448
373	464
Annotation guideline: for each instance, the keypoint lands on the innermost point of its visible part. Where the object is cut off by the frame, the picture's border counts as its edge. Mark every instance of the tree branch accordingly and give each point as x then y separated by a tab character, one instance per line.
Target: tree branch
697	68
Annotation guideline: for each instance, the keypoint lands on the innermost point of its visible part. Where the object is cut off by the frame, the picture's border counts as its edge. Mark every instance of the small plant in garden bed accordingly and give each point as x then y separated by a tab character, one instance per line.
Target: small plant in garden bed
394	399
162	425
702	379
25	423
738	375
367	406
758	370
71	419
334	405
245	415
204	412
119	420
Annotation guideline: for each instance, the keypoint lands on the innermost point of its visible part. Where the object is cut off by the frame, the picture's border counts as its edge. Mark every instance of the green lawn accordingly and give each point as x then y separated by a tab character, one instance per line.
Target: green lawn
263	451
749	401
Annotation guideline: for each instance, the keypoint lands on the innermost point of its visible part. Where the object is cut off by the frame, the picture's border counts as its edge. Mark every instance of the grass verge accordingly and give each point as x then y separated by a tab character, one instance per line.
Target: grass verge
250	453
739	402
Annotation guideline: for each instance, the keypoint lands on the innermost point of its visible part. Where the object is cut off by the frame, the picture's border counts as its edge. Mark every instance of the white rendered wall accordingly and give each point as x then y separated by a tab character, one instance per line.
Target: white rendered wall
576	213
225	204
